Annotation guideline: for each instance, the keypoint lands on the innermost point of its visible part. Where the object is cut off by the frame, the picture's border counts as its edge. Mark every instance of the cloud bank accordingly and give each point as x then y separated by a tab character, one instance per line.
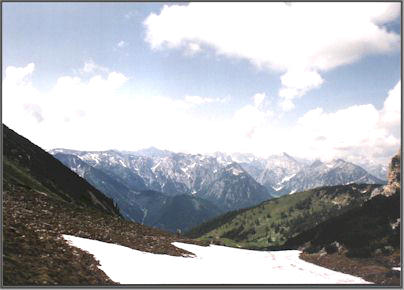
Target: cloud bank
299	40
99	114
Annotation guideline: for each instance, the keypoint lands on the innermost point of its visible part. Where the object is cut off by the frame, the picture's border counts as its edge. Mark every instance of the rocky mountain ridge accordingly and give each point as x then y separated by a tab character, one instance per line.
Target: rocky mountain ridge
180	173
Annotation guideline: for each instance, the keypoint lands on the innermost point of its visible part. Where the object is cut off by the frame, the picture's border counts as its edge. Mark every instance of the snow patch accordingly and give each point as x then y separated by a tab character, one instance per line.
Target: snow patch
210	265
293	191
236	171
396	268
287	178
155	166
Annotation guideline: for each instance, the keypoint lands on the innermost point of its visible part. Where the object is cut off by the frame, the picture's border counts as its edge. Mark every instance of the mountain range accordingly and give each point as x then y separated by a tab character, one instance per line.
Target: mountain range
204	185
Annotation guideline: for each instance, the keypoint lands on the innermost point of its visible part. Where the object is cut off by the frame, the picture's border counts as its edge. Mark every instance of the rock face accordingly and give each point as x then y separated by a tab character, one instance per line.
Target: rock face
393	178
393	183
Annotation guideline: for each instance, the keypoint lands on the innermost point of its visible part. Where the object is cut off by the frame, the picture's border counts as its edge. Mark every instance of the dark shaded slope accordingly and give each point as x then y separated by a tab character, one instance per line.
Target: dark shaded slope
29	165
363	241
184	212
361	230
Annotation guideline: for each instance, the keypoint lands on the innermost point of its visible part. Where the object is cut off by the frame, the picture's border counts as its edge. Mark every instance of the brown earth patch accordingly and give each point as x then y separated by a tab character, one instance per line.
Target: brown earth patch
376	269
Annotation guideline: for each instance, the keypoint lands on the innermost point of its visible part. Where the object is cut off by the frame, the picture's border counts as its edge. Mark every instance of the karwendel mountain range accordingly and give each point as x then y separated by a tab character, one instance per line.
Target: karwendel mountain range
150	185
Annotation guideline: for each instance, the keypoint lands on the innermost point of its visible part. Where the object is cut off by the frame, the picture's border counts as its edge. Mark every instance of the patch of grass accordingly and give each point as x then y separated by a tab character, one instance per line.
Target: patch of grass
273	222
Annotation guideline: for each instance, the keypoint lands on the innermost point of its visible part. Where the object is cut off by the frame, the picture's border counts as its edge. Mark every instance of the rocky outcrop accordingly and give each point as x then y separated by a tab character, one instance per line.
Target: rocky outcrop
393	178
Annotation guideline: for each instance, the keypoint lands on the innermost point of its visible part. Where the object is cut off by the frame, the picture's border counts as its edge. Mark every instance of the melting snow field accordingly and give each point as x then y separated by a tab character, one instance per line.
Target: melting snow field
211	265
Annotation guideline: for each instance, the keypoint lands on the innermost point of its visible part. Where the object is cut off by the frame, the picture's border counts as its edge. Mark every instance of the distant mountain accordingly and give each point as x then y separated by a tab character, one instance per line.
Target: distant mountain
272	222
151	152
278	169
378	170
111	162
227	181
112	187
234	188
336	172
177	173
283	174
147	207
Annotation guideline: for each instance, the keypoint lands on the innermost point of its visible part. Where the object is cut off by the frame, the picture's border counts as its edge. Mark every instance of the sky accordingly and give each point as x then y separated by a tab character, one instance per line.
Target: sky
315	80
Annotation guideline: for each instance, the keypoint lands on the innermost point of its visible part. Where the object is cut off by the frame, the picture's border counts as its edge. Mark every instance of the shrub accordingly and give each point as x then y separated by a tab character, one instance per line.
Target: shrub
312	249
364	252
331	248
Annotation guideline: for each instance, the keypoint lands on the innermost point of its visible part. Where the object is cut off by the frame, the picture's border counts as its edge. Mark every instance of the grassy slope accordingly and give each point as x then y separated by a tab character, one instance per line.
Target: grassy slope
272	222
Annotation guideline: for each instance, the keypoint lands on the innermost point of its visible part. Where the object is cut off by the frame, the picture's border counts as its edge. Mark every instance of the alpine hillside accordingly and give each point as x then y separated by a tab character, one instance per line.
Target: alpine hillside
271	223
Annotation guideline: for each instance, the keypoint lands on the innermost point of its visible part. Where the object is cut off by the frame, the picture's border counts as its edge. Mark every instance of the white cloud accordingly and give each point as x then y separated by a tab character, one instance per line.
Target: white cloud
194	47
62	114
295	83
300	40
19	95
98	114
391	112
197	100
18	75
286	105
90	67
122	44
353	132
259	99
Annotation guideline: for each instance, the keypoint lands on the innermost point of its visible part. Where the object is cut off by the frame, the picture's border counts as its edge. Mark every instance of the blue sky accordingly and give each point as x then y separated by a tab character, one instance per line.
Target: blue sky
132	75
